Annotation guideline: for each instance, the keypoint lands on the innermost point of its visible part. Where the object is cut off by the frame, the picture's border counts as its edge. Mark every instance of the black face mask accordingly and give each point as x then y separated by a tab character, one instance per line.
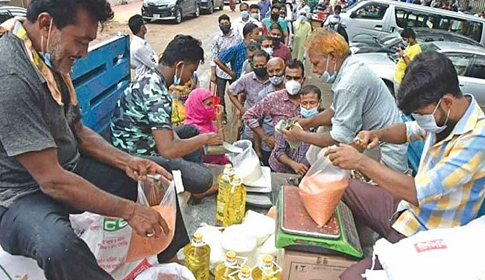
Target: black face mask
260	72
275	17
276	41
225	28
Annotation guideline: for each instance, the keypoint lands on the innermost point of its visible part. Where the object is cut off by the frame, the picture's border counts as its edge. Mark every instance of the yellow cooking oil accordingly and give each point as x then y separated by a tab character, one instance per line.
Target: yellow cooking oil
235	203
267	270
243	274
227	267
197	257
223	181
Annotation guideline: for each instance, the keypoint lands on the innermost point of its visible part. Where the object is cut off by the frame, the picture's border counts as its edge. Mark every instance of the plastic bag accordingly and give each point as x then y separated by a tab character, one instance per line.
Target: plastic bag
247	164
321	189
445	254
259	226
169	271
212	237
142	246
114	244
240	239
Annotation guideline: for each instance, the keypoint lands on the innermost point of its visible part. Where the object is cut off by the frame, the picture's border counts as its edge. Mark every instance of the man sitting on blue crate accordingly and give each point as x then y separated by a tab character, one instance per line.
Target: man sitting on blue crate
448	189
142	122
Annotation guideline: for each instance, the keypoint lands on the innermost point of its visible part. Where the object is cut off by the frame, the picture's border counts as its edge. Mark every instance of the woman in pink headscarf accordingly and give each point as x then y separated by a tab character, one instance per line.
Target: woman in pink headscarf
199	110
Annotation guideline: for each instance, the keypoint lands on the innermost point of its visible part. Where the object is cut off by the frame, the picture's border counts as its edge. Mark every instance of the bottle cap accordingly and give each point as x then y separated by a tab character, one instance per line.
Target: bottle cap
197	237
267	260
231	256
245	270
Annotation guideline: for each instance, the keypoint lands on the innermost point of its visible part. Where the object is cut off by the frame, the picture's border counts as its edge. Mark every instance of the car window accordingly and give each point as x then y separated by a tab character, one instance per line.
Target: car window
478	68
461	61
470	29
408	19
5	16
372	11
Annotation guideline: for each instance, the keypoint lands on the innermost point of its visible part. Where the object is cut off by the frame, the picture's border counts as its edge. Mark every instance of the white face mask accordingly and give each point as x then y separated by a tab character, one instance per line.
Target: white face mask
428	123
326	77
269	51
293	87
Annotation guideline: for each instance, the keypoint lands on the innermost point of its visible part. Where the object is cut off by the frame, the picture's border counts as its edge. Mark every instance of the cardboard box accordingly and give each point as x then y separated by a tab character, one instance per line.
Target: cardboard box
309	266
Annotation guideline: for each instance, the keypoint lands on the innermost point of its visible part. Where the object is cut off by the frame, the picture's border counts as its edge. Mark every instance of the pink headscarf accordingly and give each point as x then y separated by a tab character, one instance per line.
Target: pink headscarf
197	113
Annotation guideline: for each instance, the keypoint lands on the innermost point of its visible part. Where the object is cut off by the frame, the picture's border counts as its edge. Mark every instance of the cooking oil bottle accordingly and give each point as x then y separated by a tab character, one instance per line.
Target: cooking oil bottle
197	257
224	182
243	274
267	270
224	269
235	203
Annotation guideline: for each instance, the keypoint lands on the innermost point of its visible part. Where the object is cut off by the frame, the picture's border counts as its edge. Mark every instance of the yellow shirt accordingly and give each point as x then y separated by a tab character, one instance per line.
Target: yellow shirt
411	52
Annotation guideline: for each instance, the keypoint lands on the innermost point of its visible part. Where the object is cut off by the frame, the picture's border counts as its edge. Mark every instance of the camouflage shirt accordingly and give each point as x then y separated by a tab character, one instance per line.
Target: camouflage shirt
145	105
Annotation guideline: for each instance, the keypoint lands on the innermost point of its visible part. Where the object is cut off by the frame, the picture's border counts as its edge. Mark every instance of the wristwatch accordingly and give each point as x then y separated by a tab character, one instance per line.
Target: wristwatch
404	56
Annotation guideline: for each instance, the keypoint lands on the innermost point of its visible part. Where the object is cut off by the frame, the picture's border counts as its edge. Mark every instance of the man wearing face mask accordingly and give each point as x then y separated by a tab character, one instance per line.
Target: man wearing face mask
279	105
266	43
302	29
51	165
245	19
405	56
279	48
141	122
275	19
360	101
287	160
142	55
221	42
448	189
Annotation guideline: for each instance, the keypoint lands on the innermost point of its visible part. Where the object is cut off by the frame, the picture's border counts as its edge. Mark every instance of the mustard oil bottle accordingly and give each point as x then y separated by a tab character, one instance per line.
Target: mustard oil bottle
197	257
224	182
267	270
243	274
227	267
235	203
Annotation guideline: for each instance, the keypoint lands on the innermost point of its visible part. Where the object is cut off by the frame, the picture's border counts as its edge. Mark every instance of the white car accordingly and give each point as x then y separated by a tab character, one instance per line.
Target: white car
469	62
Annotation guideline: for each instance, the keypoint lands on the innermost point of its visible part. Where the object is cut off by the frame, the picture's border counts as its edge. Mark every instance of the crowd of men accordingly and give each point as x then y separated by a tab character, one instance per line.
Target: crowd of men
52	166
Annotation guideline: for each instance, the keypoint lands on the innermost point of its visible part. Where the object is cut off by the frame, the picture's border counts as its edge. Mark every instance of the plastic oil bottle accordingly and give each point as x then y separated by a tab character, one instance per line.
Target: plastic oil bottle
224	269
267	270
243	274
235	203
224	182
197	257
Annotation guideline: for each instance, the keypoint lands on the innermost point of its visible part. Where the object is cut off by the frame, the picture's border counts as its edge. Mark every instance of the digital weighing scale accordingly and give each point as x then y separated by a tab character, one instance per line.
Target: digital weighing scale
295	229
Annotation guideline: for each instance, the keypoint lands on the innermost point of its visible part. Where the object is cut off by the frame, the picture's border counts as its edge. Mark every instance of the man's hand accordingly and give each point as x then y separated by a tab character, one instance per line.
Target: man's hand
232	74
401	52
367	139
294	134
212	139
219	112
345	157
240	113
147	222
137	168
300	168
270	141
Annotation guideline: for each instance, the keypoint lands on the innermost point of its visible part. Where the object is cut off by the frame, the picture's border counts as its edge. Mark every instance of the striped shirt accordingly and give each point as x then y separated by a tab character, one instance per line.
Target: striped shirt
450	183
236	55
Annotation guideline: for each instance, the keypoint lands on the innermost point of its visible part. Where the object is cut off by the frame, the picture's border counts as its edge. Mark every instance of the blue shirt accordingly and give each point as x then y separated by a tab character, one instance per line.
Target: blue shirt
263	8
236	55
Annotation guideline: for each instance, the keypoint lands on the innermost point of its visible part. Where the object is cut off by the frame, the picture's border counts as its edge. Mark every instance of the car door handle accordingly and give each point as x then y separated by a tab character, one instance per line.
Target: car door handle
462	85
378	27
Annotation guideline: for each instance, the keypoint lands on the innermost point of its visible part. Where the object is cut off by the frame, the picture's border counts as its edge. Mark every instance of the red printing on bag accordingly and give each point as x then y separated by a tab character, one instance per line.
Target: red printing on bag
430	245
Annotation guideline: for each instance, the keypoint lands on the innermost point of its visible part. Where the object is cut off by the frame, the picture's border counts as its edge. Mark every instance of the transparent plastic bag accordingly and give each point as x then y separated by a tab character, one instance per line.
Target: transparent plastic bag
321	189
247	164
169	271
163	192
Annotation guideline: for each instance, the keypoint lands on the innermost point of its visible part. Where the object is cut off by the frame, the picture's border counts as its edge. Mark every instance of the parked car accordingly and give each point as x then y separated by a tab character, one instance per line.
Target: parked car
8	12
469	62
367	43
209	5
174	10
381	17
226	2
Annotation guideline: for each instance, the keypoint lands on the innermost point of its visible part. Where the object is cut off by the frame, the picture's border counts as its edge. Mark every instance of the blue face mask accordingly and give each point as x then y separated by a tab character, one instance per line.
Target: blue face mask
47	55
176	79
244	14
307	113
326	77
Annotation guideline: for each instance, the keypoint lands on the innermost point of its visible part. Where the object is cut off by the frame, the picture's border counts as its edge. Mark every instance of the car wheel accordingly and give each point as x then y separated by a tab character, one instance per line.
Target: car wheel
210	8
221	7
178	16
197	11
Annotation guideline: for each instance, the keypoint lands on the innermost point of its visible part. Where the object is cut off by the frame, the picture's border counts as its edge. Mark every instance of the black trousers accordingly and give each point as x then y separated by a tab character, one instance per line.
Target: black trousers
38	227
